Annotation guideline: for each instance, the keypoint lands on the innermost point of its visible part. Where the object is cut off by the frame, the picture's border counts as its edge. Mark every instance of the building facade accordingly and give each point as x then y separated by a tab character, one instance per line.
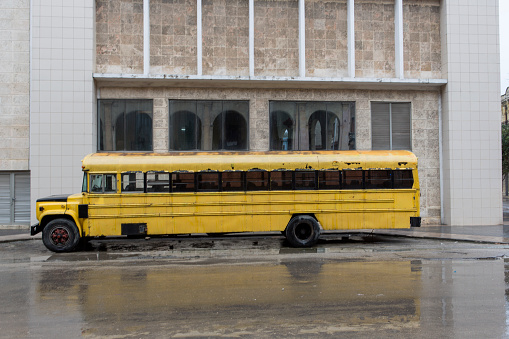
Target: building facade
258	75
15	113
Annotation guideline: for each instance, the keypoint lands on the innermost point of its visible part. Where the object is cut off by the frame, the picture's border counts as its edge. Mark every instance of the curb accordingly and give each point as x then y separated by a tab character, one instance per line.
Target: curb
419	235
19	237
446	237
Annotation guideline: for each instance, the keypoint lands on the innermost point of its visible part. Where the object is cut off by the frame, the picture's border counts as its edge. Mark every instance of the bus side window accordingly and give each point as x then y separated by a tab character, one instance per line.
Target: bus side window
378	179
84	185
305	180
207	181
257	180
158	182
403	179
281	180
329	180
96	183
182	182
352	179
133	182
110	183
232	181
103	183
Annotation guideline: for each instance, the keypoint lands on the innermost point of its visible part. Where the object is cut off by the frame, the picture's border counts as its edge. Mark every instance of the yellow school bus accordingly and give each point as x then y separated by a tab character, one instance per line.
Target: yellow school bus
297	193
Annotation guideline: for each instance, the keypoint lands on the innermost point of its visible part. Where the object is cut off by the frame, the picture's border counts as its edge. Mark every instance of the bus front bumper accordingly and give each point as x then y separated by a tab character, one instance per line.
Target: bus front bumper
34	229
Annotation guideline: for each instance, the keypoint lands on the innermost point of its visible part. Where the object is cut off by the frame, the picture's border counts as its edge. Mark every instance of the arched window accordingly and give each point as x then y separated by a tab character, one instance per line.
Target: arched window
229	131
323	131
125	125
185	131
312	125
208	125
282	128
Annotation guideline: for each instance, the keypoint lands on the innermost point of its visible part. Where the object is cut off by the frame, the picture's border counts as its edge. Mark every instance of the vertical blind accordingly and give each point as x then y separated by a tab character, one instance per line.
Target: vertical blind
391	126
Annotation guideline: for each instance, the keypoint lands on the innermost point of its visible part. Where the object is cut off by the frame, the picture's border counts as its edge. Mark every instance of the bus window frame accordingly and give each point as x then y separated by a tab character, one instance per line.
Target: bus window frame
267	180
84	184
180	184
406	182
369	181
242	181
283	186
344	186
395	180
198	181
324	172
103	182
159	183
302	188
130	182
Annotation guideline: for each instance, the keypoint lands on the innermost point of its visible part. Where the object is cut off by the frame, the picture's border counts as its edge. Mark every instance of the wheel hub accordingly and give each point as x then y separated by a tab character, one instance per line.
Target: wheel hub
59	236
303	231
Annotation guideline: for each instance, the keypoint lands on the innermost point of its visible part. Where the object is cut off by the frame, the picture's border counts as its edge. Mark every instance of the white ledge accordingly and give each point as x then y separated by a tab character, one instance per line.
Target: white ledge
170	80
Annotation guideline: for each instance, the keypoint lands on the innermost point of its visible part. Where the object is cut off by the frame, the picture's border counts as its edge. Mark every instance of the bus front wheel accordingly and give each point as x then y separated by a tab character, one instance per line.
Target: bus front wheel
61	235
302	231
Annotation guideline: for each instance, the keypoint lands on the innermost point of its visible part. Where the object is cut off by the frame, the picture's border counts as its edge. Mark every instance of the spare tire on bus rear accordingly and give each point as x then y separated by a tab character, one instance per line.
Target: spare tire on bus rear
302	231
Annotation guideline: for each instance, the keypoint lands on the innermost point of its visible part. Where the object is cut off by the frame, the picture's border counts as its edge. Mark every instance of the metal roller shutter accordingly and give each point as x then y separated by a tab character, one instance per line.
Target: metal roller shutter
22	198
5	198
15	198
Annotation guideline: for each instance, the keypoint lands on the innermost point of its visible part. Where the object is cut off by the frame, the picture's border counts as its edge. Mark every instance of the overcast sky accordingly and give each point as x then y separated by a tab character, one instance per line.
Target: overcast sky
504	44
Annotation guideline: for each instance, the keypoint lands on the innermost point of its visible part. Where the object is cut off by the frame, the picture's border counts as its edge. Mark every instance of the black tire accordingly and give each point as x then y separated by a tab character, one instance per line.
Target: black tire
61	235
302	231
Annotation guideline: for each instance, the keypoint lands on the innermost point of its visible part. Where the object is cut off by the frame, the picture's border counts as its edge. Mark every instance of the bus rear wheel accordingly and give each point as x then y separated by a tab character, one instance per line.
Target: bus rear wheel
302	231
61	235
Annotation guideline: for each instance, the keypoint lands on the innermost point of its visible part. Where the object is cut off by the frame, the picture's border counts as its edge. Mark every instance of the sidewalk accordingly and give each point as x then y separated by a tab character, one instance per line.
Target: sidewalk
483	234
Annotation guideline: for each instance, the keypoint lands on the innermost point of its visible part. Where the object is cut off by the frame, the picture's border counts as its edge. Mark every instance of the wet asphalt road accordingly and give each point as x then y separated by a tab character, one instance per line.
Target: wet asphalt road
255	287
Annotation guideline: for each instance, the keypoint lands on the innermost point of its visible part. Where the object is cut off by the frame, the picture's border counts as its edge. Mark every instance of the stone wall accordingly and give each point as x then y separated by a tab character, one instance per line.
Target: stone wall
424	122
119	36
374	39
225	37
14	85
276	40
173	37
326	39
421	39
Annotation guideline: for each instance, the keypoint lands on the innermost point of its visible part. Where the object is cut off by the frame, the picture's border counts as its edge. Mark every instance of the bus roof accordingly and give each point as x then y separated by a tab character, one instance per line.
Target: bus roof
244	161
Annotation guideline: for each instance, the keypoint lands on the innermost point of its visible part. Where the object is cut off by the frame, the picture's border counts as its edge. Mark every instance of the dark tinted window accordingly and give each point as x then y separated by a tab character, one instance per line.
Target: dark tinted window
329	180
208	125
232	181
281	180
182	182
305	180
352	179
207	181
257	180
378	179
403	179
125	125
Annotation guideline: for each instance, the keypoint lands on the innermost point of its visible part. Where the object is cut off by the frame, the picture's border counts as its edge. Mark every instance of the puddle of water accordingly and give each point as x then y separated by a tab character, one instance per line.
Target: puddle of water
295	297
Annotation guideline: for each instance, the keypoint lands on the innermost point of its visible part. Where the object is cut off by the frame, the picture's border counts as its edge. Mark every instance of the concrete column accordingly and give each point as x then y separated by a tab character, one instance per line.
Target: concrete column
351	37
62	96
472	182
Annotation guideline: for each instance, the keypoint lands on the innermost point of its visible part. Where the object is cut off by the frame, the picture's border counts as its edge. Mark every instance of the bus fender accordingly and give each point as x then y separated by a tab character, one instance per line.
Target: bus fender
74	217
51	215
